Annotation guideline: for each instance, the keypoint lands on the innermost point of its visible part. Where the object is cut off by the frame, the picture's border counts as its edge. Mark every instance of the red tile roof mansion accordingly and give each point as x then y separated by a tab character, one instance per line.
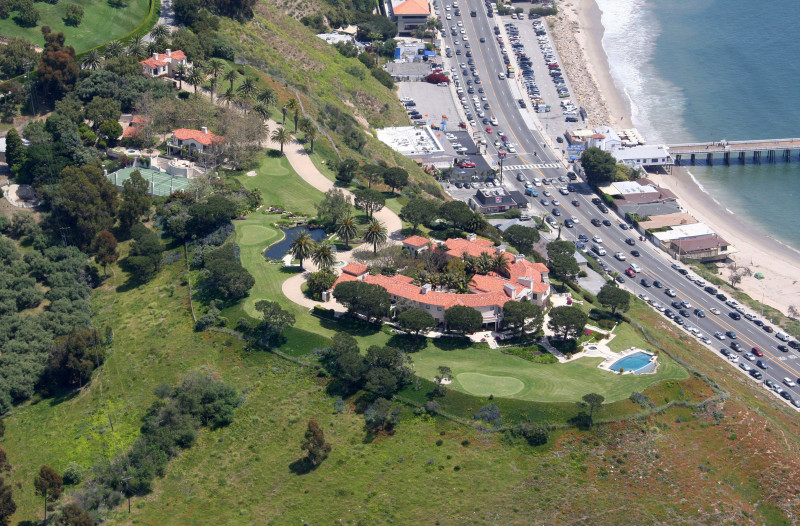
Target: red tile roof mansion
523	280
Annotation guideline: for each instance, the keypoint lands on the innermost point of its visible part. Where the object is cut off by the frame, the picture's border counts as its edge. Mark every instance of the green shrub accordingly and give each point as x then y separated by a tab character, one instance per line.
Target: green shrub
605	324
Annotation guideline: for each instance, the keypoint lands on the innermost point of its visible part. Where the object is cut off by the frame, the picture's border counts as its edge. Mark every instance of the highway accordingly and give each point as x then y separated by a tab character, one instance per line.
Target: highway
654	263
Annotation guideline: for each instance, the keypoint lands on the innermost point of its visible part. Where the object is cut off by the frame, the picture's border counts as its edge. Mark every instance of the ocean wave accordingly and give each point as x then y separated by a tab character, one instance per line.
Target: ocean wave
709	194
631	31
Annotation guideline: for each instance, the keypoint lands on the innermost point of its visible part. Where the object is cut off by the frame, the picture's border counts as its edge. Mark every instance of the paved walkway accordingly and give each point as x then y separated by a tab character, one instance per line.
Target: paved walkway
298	157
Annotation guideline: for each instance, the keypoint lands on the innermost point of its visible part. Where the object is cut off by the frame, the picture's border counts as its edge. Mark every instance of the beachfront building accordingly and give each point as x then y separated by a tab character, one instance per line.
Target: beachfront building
649	156
706	249
409	14
663	222
164	64
522	281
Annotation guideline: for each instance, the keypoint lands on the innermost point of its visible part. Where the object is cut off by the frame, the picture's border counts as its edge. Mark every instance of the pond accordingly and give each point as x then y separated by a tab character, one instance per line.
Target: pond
279	249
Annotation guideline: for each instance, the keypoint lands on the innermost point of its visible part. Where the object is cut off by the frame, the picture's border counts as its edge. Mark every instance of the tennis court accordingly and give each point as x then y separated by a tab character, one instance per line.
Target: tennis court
160	183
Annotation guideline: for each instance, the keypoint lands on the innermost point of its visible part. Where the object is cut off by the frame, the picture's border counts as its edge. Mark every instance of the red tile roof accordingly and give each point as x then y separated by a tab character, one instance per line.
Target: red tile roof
152	62
401	286
457	247
354	268
412	7
134	127
206	139
416	241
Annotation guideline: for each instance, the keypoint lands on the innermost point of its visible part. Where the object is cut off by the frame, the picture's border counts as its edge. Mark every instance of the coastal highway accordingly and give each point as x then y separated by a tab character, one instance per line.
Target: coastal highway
654	263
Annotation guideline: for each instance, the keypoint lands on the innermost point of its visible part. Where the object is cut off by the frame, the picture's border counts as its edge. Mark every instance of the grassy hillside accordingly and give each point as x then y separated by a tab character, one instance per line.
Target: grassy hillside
101	22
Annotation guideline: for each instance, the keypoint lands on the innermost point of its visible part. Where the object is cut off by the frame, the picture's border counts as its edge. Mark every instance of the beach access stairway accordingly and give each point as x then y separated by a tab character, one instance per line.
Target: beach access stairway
769	150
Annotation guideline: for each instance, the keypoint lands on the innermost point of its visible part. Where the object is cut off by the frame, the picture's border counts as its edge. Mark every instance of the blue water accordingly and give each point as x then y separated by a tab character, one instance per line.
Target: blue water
634	362
279	249
706	70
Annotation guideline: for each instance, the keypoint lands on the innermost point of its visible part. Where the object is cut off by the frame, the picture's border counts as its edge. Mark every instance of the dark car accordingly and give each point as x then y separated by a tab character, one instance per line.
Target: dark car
556	212
781	348
576	203
669	314
657	284
786	395
606	222
724	352
794	344
762	364
630	241
684	313
635	253
596	201
755	373
583	237
683	272
722	297
620	279
678	320
700	313
711	290
677	304
645	282
731	335
735	315
596	222
758	322
767	328
603	208
736	346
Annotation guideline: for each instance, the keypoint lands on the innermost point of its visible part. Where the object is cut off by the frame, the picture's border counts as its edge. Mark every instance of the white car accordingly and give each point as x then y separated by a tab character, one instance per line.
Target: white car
597	239
789	383
705	339
449	17
511	149
733	358
659	307
746	368
719	335
575	220
620	256
782	336
636	268
715	310
494	121
749	357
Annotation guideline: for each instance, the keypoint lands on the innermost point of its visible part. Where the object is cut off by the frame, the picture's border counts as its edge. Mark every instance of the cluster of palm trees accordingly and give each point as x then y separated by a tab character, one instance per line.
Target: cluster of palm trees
137	47
486	263
323	254
447	280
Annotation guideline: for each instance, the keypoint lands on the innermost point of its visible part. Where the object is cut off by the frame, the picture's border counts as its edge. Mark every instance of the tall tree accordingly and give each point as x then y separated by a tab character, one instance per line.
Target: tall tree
462	319
368	200
58	70
248	88
74	515
566	321
15	150
181	70
416	320
136	46
283	111
593	401
521	238
457	213
294	105
375	234
281	136
314	444
274	319
195	78
419	211
522	315
113	49
135	200
7	504
600	166
395	178
267	96
347	228
214	67
48	484
301	247
563	267
105	250
92	60
230	76
323	255
160	31
614	298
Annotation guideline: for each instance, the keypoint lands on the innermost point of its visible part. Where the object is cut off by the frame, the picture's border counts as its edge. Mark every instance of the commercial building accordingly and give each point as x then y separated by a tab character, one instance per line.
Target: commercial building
409	14
408	71
521	281
496	200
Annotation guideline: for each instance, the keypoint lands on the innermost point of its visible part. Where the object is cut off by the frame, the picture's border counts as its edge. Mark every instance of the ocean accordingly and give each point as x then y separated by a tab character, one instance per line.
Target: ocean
706	70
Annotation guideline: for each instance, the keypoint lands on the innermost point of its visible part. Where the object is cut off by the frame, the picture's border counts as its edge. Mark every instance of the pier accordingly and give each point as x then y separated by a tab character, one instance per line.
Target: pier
767	150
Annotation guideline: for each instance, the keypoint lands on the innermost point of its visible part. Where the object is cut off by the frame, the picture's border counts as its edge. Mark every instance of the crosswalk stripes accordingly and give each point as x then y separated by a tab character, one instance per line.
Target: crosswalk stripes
530	166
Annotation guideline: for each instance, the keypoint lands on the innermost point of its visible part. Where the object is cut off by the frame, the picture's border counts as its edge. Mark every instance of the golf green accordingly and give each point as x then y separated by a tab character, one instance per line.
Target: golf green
484	385
255	234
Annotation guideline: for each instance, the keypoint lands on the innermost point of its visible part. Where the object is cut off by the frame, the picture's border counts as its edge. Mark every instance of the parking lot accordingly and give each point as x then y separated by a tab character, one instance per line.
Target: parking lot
554	120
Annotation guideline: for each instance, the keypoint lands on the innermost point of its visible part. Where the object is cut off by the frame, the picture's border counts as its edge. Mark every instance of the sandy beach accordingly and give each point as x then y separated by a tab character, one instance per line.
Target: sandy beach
578	35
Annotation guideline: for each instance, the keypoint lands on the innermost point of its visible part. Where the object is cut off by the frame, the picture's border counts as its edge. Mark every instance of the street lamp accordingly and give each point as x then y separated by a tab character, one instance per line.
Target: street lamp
502	154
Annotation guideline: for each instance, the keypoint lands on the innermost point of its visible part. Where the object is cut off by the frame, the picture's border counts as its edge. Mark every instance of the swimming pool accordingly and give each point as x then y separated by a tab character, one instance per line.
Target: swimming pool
638	362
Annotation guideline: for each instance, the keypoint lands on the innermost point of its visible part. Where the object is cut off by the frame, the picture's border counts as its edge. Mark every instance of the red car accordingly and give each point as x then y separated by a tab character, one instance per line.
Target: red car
767	328
630	273
757	351
462	125
488	129
467	164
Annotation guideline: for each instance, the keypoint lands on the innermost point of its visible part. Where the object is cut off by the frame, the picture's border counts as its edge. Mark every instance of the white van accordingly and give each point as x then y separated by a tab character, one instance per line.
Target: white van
597	249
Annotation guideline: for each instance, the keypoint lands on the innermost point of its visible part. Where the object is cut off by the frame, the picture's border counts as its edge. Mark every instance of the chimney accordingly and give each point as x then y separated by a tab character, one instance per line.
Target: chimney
510	291
501	249
155	56
204	130
519	257
426	288
169	52
471	238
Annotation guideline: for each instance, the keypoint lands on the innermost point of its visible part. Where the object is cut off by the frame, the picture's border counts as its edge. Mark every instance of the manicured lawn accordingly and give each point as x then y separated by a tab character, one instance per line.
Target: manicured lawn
625	338
481	371
281	187
101	23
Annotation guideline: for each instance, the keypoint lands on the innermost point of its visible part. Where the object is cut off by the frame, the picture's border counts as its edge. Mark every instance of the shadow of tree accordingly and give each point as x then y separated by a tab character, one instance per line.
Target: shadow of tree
408	343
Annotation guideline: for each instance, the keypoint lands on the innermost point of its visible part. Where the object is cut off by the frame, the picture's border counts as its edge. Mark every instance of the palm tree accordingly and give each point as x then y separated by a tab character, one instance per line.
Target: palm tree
262	110
294	105
152	47
500	263
229	96
113	49
159	32
248	87
263	133
267	96
301	247
283	109
136	47
484	264
180	70
375	234
311	134
346	229
230	76
477	222
196	78
91	60
281	136
214	67
323	255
